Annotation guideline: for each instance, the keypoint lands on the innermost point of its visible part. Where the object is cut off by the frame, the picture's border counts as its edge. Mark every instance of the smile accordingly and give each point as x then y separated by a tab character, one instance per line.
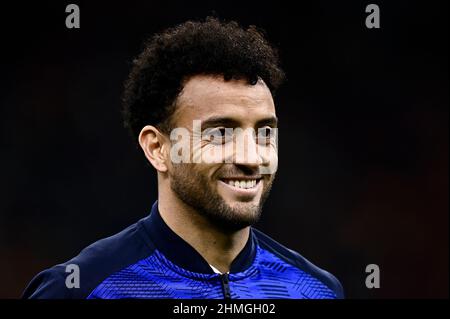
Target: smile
243	187
245	184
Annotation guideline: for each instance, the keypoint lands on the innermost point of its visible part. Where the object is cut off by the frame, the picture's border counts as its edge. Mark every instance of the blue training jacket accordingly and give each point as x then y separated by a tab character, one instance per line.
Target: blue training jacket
148	260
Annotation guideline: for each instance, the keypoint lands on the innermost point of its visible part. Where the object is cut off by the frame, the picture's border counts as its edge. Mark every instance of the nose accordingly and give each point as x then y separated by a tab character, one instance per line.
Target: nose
246	152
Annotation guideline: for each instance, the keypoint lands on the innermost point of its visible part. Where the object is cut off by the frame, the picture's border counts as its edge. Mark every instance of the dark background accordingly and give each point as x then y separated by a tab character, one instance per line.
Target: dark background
363	175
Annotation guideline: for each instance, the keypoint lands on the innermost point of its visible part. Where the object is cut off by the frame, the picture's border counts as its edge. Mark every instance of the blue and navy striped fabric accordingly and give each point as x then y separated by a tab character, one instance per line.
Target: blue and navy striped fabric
148	260
157	277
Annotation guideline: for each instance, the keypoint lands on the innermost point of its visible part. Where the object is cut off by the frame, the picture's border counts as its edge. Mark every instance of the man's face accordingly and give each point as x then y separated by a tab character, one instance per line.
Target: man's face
230	191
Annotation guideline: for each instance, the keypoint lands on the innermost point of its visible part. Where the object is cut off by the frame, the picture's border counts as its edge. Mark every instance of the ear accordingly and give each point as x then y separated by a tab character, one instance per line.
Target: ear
154	146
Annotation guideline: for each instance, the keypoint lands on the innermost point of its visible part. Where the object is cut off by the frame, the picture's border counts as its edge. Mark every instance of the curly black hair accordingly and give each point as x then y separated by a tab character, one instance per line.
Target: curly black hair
210	47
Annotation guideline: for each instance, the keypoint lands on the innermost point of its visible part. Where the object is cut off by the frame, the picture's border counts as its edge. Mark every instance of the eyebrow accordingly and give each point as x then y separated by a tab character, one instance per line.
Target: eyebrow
270	121
230	122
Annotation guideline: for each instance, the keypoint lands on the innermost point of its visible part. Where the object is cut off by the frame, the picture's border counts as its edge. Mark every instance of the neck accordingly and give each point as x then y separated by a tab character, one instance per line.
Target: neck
217	247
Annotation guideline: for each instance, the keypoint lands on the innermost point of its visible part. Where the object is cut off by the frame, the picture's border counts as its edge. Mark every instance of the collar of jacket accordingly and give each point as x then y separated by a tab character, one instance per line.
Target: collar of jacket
184	255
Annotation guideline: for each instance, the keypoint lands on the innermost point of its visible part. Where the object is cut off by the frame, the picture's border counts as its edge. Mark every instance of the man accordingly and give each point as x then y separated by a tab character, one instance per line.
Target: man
199	102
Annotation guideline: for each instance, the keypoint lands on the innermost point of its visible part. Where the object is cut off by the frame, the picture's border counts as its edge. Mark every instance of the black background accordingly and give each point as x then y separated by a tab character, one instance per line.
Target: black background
363	170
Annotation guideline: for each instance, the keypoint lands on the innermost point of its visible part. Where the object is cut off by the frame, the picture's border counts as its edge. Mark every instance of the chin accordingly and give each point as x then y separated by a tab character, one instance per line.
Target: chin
241	205
246	209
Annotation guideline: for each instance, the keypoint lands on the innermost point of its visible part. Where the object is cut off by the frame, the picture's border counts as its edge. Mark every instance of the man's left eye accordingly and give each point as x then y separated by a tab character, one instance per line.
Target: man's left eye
267	131
265	135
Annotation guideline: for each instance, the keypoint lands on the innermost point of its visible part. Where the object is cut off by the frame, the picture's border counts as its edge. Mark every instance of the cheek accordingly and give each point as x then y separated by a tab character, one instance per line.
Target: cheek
213	154
269	155
267	150
206	172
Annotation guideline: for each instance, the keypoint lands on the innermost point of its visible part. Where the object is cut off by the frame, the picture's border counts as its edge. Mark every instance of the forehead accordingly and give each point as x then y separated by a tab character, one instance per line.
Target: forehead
210	96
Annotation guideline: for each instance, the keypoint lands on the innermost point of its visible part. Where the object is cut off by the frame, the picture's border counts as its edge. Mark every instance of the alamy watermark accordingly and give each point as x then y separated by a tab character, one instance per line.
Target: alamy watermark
226	145
373	19
373	279
73	277
73	18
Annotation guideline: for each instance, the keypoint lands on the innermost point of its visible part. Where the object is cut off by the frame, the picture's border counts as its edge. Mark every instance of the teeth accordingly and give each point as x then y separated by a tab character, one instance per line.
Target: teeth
245	184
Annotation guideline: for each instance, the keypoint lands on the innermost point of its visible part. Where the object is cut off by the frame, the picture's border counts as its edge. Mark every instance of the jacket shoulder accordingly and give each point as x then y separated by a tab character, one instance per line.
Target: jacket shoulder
93	264
295	259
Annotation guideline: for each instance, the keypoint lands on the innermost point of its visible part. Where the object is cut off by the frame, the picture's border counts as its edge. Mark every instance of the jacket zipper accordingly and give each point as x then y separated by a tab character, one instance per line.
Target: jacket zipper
225	286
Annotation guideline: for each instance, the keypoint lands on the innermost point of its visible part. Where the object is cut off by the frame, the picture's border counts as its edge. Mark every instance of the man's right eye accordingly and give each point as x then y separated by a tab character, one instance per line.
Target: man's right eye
219	135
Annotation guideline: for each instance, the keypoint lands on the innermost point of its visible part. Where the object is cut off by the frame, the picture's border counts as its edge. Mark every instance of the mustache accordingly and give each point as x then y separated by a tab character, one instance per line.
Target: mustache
244	173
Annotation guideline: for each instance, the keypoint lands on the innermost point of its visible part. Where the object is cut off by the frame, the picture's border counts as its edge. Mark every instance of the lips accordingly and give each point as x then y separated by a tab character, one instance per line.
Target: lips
240	188
241	183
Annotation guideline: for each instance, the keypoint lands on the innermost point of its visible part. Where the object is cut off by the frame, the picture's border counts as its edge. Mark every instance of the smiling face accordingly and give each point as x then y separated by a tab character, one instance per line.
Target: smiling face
230	190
